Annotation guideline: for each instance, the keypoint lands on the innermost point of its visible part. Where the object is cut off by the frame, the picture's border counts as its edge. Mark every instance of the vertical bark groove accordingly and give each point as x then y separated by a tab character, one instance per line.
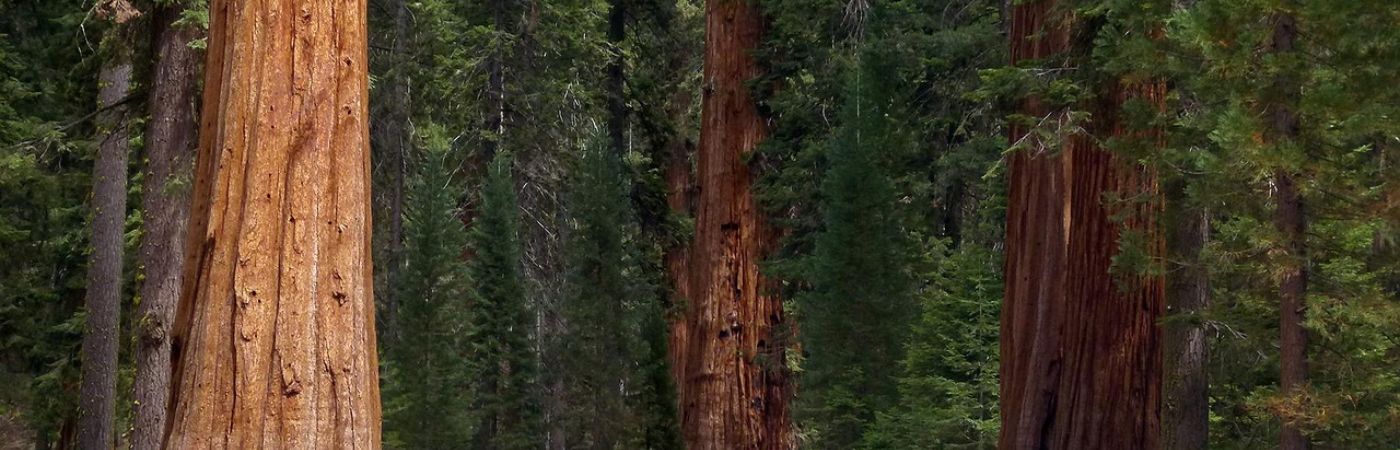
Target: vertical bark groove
734	390
274	336
1081	358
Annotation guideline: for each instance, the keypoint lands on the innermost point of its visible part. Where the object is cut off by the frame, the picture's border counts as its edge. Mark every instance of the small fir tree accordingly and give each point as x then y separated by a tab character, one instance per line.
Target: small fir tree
613	350
856	316
502	361
599	346
426	388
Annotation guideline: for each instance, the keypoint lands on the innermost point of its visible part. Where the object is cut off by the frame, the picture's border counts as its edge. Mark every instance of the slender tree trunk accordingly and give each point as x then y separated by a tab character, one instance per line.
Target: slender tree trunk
395	140
104	278
735	386
1186	394
616	81
274	335
1186	407
170	149
495	88
1080	346
1290	219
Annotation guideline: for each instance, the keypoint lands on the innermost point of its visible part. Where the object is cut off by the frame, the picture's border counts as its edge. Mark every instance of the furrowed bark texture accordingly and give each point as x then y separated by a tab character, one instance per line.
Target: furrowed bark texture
274	336
1186	401
170	148
1290	219
104	277
680	200
1080	346
734	387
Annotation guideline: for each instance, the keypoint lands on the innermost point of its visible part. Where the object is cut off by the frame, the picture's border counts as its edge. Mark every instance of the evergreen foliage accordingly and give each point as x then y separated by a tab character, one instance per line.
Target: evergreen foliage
948	383
502	363
861	299
533	302
609	358
47	84
427	392
1345	67
872	224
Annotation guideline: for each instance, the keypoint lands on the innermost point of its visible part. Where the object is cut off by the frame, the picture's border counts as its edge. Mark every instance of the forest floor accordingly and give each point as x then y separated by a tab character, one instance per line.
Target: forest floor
14	434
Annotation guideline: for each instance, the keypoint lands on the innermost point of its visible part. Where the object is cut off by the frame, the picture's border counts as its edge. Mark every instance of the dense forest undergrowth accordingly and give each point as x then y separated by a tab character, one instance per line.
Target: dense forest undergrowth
702	224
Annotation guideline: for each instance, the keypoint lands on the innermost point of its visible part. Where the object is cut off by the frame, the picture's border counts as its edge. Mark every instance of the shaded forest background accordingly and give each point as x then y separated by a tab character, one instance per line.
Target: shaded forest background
530	166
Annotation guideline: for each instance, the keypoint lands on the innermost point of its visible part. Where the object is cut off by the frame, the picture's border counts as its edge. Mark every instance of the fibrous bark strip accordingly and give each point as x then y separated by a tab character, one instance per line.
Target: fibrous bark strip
274	335
1080	345
734	387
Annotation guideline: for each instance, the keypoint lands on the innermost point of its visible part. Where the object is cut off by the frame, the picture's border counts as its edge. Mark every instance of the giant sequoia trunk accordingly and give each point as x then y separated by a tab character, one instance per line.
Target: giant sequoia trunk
1080	346
104	277
274	335
734	385
680	200
170	150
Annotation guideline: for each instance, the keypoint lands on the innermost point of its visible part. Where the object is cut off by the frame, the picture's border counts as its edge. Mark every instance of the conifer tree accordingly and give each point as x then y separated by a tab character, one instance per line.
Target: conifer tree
501	359
274	343
1080	344
1299	92
105	275
614	347
45	188
171	139
600	347
948	382
426	386
857	314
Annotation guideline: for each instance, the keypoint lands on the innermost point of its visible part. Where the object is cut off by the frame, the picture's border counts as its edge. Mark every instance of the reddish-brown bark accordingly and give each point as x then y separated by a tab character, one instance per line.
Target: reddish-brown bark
274	341
1290	219
679	198
733	383
1080	347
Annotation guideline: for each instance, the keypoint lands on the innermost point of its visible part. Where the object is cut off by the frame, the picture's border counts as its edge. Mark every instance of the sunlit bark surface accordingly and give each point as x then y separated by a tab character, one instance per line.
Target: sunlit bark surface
275	340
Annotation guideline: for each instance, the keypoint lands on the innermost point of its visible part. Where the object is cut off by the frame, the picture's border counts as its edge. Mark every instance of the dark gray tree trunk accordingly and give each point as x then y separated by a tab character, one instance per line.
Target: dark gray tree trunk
104	278
171	141
1186	408
394	139
1186	387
